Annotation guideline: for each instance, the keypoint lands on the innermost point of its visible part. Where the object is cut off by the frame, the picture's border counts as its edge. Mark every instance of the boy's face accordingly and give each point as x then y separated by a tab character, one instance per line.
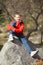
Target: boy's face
17	18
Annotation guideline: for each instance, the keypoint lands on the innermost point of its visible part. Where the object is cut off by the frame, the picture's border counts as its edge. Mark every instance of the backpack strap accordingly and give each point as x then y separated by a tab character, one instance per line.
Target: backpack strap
13	23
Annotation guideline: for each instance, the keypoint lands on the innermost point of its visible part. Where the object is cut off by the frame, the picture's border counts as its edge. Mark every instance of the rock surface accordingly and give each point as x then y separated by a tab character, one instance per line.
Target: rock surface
35	37
15	54
40	53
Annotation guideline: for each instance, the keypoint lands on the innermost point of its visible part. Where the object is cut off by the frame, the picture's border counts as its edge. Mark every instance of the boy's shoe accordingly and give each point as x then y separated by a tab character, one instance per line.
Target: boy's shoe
10	38
33	53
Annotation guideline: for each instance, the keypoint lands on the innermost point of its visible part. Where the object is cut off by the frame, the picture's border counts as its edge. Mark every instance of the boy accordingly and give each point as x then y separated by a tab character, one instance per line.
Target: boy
16	28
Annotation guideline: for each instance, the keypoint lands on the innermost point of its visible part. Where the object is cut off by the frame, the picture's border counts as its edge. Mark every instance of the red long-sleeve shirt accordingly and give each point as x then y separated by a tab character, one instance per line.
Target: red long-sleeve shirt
16	27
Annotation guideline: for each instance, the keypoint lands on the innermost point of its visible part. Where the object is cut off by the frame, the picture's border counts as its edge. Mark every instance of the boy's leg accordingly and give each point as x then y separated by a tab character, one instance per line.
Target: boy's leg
25	43
10	37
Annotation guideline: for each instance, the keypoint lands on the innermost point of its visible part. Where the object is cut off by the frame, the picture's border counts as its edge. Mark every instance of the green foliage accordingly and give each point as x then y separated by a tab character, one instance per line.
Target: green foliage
2	19
1	47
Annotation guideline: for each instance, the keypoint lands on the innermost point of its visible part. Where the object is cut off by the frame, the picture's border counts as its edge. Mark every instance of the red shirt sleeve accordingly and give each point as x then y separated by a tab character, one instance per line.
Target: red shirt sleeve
8	27
17	30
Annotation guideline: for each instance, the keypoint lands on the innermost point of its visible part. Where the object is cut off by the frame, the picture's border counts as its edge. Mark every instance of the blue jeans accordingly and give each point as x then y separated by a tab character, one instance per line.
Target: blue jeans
25	43
23	40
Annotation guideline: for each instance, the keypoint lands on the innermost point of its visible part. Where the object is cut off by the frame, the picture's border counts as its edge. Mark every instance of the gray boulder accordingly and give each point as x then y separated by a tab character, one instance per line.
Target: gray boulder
15	54
40	53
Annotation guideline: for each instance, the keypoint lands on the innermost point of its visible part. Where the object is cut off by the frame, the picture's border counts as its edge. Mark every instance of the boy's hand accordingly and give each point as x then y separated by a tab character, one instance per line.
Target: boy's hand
8	27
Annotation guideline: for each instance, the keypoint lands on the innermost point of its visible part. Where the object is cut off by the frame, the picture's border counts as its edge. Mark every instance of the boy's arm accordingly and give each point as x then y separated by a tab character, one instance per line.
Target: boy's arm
11	27
20	30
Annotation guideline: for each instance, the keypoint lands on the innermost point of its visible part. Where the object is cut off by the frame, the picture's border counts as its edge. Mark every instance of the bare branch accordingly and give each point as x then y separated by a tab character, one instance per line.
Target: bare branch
33	19
29	32
9	15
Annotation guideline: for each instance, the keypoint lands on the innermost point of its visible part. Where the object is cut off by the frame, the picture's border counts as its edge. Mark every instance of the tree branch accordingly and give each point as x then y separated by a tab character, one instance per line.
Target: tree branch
9	15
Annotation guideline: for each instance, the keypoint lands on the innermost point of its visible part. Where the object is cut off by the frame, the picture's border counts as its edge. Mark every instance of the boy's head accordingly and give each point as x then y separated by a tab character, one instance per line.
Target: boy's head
17	17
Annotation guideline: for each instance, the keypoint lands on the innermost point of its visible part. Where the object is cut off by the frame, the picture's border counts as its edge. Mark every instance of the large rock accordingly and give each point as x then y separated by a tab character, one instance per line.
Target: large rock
40	53
15	54
35	37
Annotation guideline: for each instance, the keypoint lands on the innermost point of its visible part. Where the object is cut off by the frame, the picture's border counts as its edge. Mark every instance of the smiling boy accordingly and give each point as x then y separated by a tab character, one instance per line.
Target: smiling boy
16	28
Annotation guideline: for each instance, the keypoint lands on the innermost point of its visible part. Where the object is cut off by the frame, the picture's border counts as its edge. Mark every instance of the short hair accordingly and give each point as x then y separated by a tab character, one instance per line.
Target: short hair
17	14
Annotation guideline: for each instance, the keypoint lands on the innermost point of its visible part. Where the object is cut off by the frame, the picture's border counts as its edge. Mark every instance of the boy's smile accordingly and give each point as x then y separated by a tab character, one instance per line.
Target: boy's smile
17	18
